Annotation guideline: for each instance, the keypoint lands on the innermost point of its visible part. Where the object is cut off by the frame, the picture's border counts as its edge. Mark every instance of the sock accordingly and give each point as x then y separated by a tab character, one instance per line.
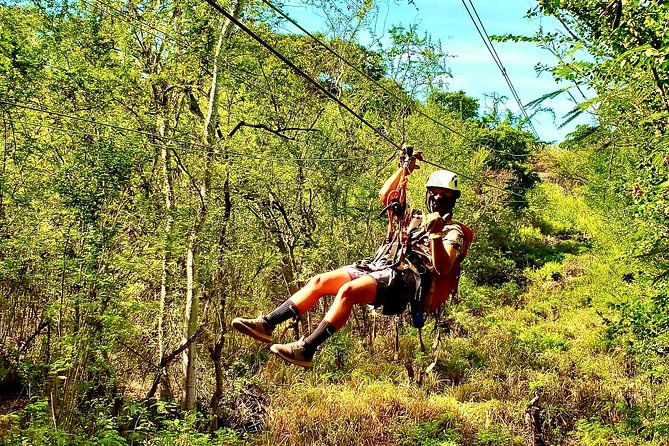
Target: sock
322	332
282	313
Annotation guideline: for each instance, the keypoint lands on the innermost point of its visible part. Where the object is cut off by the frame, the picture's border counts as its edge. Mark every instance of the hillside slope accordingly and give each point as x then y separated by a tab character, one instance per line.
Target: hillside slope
516	364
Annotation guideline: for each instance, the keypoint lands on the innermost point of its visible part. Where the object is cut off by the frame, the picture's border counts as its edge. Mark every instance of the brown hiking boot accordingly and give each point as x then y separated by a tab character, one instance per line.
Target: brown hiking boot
257	328
294	352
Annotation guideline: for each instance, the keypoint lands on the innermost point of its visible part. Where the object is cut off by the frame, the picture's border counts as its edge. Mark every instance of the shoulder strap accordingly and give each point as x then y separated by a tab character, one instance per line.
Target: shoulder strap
469	237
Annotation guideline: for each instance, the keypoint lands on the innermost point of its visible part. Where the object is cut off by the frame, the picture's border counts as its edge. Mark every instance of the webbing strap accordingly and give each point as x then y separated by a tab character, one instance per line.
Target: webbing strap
396	356
398	212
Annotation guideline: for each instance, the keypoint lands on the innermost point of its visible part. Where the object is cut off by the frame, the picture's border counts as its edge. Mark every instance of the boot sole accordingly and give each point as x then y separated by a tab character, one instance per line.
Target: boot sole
306	365
238	325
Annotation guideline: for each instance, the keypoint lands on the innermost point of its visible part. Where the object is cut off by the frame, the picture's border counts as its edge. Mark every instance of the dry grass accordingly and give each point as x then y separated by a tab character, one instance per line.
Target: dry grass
380	413
505	347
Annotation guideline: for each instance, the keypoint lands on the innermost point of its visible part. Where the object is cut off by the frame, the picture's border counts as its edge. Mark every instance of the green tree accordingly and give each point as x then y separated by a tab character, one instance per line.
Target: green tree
458	103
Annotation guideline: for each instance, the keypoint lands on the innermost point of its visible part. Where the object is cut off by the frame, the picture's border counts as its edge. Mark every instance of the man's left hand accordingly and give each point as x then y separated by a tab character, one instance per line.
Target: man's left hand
411	164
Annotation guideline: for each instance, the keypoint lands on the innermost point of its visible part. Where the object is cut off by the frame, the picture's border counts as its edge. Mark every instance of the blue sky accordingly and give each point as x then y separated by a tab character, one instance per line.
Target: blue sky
472	66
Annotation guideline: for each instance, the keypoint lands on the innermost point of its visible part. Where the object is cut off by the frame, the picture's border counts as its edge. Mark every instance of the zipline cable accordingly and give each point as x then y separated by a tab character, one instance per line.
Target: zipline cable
299	71
468	177
493	52
382	87
243	155
182	149
232	155
149	134
319	86
89	121
205	146
356	69
126	17
480	28
491	49
292	66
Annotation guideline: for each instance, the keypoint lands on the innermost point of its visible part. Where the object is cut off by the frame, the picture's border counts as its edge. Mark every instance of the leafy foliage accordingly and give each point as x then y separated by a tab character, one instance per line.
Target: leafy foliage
107	182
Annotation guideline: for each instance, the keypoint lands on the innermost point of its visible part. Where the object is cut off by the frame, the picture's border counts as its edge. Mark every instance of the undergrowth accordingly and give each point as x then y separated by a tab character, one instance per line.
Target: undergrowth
566	338
579	339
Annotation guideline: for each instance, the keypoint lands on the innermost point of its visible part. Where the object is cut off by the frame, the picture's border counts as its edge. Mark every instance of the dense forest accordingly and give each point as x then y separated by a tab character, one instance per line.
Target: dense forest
164	172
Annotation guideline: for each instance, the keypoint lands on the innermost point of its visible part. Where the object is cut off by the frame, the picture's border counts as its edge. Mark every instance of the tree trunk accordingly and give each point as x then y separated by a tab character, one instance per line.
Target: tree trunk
216	352
210	138
165	392
533	424
192	312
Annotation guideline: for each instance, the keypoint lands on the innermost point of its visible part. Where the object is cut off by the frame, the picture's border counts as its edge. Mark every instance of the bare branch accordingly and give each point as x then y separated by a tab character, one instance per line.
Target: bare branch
279	132
192	180
37	331
166	360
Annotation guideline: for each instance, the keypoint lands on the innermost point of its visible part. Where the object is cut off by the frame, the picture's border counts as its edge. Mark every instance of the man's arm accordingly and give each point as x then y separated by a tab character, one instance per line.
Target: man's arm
390	185
443	253
394	180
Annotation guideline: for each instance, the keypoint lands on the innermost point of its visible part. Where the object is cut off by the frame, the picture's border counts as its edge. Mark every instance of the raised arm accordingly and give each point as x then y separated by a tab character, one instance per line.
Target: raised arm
390	185
409	165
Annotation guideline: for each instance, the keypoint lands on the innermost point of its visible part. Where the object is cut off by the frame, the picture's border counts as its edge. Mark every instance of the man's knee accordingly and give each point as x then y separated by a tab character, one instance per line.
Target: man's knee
317	281
353	293
346	291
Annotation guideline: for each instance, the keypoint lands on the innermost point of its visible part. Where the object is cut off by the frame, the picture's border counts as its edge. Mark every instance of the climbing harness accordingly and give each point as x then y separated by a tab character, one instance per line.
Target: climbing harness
396	211
401	249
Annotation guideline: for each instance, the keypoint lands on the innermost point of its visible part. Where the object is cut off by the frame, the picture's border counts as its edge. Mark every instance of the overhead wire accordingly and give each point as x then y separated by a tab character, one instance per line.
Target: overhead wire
194	143
355	68
478	180
301	72
172	140
89	121
480	28
283	59
483	33
244	28
375	82
129	19
123	14
231	154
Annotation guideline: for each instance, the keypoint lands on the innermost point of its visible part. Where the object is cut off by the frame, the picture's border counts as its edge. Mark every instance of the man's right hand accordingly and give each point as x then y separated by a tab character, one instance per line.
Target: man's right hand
412	161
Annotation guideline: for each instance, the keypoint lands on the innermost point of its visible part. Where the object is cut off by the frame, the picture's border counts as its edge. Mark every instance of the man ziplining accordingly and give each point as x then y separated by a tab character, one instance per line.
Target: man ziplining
418	265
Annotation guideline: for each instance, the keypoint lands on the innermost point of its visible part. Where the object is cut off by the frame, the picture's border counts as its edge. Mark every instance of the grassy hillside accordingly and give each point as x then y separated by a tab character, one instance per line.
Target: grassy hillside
546	348
127	243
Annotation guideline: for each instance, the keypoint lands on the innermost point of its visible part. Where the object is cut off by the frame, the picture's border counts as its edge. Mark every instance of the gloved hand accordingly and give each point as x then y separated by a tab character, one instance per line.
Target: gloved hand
412	161
434	224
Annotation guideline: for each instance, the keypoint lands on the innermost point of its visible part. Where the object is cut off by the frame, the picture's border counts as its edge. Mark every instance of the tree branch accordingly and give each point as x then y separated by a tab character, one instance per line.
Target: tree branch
192	180
277	132
38	330
165	361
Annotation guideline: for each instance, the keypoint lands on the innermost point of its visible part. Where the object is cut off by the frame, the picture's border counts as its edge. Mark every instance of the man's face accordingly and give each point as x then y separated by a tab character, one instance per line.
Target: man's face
440	199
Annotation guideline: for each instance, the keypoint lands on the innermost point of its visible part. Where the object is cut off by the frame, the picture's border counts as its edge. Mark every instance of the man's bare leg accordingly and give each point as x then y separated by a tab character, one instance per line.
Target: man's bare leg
359	291
302	301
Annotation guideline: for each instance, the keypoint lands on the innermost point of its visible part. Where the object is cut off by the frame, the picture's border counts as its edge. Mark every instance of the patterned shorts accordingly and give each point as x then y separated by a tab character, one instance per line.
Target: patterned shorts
394	287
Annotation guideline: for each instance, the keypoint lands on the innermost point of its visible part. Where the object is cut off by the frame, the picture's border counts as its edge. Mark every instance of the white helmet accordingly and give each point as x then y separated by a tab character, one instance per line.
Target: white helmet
445	179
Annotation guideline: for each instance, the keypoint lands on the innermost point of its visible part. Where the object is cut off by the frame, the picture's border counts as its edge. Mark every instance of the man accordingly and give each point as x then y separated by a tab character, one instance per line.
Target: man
407	269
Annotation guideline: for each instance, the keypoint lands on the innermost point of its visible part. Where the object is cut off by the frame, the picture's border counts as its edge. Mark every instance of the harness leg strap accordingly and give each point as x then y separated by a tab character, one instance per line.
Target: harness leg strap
397	339
420	338
435	347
